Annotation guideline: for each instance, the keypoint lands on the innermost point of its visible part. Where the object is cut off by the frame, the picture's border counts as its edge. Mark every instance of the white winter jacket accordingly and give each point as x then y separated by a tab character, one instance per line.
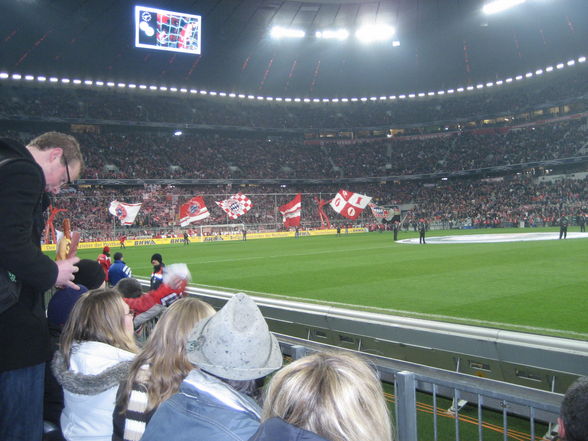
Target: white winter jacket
89	389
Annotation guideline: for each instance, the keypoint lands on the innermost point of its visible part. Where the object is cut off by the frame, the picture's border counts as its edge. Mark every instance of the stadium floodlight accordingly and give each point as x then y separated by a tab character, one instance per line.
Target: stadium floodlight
422	94
499	83
582	60
354	100
333	34
431	93
411	95
373	98
183	90
279	32
344	100
173	89
383	98
251	97
29	77
370	34
121	85
297	100
500	5
440	92
539	72
16	76
571	62
222	94
213	93
326	100
77	81
178	133
152	87
363	98
110	84
97	83
395	43
508	80
479	86
3	75
549	69
489	84
460	89
55	80
470	88
528	74
518	77
279	99
163	88
450	91
259	98
65	80
402	97
142	86
392	97
232	95
560	66
41	78
241	95
203	92
306	100
288	100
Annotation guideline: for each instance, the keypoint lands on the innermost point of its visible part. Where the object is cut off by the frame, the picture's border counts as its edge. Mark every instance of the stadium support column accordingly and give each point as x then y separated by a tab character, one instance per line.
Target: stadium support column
406	406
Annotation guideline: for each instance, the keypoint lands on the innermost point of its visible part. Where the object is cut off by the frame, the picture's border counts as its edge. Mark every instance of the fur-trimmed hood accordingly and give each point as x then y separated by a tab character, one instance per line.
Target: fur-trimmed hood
84	384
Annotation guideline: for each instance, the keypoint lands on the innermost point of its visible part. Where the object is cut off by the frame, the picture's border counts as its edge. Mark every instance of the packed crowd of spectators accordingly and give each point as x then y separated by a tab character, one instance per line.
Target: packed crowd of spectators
113	103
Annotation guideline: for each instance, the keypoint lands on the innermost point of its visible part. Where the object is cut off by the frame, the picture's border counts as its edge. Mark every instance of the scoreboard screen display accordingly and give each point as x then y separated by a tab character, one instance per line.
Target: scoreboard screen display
167	30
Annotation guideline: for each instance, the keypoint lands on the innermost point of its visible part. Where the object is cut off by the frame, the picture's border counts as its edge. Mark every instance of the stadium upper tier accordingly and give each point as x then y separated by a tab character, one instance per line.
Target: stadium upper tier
85	103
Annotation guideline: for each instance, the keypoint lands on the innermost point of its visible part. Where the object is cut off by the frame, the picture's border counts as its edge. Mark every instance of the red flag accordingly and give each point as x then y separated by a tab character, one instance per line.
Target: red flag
349	204
291	212
193	210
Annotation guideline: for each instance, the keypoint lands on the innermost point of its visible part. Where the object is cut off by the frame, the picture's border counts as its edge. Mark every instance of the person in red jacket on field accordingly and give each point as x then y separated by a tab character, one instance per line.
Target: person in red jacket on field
104	261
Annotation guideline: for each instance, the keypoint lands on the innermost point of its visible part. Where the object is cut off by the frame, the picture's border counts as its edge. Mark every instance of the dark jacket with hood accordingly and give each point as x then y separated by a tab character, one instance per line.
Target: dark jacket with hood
24	336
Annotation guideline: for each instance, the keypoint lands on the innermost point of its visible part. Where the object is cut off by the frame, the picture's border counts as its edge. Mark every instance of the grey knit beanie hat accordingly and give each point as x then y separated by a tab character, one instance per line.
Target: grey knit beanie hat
235	343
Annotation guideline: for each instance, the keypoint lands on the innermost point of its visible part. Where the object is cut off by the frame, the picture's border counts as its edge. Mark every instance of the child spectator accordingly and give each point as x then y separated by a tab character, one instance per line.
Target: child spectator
159	368
325	397
96	350
118	270
231	349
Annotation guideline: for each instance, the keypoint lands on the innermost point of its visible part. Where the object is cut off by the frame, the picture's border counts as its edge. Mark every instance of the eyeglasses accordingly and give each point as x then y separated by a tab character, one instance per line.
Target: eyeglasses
67	170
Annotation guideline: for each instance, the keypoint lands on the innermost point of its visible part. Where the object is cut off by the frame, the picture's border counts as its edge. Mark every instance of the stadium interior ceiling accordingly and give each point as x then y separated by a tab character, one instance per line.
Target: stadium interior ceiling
443	44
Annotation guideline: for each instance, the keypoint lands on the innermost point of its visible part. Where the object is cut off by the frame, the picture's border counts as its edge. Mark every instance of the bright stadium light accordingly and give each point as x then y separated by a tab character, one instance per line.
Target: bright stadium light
344	100
395	43
178	133
249	97
440	92
142	86
212	93
132	86
411	95
3	75
528	74
16	76
519	77
489	84
306	100
582	60
560	66
549	69
422	94
152	87
183	90
29	77
363	98
65	80
76	81
41	78
110	84
450	91
508	80
402	97
163	88
173	89
97	83
370	34
121	85
460	89
571	62
499	83
479	86
219	94
500	5
297	100
354	100
279	32
470	88
55	80
333	34
373	98
232	95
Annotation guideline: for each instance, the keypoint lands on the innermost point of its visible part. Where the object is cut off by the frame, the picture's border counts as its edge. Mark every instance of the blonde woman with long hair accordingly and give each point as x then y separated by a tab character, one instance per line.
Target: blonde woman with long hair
333	396
95	353
159	369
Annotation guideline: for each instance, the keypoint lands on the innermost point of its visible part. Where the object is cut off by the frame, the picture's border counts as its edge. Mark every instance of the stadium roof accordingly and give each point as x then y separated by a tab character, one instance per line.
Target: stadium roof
443	44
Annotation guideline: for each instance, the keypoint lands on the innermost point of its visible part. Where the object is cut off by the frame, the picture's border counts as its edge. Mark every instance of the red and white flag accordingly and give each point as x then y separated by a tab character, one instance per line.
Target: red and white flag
193	210
236	206
291	212
379	212
126	213
349	204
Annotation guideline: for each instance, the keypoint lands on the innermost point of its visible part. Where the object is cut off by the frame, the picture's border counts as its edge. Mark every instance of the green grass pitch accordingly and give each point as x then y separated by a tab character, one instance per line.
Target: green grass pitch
535	287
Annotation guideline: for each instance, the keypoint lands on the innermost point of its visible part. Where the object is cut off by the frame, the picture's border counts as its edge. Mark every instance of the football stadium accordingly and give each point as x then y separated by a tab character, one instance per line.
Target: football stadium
270	220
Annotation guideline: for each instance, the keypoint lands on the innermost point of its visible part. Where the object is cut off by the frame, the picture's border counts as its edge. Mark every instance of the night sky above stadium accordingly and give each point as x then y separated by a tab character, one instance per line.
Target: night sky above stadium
443	44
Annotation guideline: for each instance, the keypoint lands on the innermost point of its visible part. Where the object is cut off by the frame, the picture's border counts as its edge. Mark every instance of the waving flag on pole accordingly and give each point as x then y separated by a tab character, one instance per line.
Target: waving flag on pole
236	206
380	213
126	213
193	210
291	212
349	204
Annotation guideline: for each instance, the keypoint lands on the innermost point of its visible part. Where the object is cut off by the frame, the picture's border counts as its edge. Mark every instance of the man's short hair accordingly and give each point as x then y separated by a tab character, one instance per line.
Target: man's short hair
574	411
70	146
118	256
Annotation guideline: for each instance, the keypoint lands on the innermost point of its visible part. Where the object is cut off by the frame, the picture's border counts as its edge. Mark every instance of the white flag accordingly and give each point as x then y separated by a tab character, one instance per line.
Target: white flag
349	204
126	213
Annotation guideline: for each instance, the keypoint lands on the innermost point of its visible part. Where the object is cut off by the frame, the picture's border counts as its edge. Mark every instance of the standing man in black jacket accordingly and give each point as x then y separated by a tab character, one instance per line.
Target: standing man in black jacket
27	174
